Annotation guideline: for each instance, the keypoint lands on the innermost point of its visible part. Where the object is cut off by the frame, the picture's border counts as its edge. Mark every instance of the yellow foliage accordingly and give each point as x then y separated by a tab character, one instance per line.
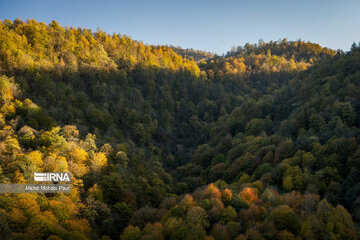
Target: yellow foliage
8	130
29	207
11	145
8	109
78	155
19	177
35	158
212	191
16	216
50	216
78	170
2	120
61	164
226	195
98	161
54	163
81	225
187	201
63	208
249	195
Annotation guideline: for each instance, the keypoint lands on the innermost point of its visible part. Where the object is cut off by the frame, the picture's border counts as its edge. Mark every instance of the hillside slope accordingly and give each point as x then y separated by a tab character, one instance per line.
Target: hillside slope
258	144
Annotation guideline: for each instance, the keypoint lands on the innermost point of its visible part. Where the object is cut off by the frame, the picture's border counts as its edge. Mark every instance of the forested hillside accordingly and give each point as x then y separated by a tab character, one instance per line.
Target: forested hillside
171	143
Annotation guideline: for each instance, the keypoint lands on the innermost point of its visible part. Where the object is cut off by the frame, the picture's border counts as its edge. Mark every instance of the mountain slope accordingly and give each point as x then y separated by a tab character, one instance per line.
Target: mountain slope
258	144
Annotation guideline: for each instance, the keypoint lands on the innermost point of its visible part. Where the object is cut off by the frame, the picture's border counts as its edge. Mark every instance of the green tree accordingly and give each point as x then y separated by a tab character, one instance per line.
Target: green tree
285	218
131	233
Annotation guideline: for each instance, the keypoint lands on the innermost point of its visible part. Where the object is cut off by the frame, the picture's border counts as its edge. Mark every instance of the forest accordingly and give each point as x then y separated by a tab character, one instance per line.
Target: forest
261	143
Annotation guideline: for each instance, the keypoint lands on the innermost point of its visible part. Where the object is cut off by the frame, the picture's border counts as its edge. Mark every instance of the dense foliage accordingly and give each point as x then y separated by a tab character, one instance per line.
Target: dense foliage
262	143
190	53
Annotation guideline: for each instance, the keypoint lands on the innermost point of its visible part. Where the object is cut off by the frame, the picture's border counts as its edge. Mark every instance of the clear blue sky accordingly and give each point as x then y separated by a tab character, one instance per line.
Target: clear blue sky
209	25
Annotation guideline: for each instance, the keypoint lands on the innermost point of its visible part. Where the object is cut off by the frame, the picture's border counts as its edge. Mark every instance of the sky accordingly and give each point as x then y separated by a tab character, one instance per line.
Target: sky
208	25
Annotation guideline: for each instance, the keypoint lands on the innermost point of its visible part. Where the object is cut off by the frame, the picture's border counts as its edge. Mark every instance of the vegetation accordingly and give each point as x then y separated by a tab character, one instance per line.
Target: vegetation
167	143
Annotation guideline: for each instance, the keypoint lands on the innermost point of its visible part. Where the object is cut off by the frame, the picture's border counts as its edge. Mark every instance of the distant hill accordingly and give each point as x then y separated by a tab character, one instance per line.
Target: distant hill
290	49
